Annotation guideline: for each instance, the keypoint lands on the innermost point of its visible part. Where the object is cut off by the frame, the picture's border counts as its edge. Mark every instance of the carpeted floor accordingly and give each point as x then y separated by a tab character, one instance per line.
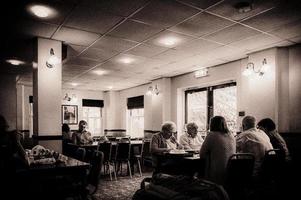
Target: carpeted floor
122	189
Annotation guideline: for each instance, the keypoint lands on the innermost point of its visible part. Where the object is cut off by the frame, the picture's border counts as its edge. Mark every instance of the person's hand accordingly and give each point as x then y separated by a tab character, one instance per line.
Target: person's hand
179	146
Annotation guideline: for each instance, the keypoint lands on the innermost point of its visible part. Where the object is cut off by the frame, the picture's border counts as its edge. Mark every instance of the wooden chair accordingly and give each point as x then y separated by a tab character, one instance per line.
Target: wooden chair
123	153
94	174
106	148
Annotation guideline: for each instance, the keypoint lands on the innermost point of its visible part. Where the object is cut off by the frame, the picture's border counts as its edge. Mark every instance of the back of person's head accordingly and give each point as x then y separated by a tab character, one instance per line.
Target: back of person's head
168	126
65	128
3	124
267	124
218	124
248	122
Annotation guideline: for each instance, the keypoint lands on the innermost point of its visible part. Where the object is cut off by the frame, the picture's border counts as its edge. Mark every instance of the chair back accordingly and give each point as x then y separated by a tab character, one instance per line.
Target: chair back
123	151
146	148
96	166
240	169
80	154
106	148
273	164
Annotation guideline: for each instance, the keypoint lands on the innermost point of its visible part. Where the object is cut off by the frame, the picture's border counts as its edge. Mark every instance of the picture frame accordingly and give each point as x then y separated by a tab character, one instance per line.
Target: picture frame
69	114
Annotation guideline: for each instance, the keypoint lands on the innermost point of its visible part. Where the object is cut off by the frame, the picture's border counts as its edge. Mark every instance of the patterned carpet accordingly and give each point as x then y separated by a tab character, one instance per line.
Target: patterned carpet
122	189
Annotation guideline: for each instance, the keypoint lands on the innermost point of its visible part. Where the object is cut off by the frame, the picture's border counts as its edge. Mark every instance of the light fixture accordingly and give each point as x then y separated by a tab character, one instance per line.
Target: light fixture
126	60
250	69
74	84
201	73
15	62
169	41
68	98
100	72
41	11
52	60
153	90
244	6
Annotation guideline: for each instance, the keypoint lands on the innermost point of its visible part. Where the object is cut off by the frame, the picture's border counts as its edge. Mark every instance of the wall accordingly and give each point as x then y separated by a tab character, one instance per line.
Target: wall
112	110
8	99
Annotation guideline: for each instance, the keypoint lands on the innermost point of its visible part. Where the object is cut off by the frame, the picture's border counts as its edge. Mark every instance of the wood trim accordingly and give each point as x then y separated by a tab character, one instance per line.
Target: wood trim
47	137
114	130
150	131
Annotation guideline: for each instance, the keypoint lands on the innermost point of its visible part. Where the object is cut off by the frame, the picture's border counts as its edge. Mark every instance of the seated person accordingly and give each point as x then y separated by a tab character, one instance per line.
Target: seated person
164	141
191	140
67	134
253	140
104	138
82	136
12	153
269	127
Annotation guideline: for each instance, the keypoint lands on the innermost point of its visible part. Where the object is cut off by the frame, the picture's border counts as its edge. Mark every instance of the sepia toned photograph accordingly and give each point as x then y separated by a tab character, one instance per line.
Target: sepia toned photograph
69	114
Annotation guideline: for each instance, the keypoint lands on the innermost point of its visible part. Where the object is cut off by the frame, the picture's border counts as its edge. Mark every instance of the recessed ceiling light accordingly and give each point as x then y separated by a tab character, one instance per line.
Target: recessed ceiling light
41	11
100	72
74	84
169	41
110	87
15	62
243	6
126	60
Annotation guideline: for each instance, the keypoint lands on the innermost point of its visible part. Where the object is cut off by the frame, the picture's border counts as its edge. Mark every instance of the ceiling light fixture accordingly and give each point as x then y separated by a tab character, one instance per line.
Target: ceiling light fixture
74	84
153	90
52	60
15	62
99	72
250	69
41	11
169	41
244	6
126	60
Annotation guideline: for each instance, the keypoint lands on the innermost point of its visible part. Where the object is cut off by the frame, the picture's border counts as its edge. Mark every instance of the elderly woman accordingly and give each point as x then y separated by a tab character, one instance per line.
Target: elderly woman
218	146
191	140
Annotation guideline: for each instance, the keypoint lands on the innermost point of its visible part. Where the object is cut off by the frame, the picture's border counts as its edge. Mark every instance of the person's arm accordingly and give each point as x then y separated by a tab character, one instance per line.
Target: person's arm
174	140
184	141
155	142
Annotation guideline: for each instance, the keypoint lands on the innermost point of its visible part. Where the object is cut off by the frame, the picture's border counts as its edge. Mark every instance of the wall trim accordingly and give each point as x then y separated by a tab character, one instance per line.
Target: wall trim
115	130
47	137
150	131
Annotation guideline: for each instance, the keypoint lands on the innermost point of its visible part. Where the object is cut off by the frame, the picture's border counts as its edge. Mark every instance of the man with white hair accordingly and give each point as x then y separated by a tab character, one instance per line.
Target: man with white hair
253	140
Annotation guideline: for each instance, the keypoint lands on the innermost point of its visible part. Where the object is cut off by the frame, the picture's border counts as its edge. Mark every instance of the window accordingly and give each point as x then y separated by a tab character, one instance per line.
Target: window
135	116
204	103
135	122
92	115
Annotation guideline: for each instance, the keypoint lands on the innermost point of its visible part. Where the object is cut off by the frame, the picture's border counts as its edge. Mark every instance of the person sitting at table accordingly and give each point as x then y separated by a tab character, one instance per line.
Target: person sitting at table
191	140
82	136
12	153
216	149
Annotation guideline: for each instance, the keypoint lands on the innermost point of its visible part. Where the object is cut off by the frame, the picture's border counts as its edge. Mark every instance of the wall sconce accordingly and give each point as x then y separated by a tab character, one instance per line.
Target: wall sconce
250	69
68	98
52	60
153	90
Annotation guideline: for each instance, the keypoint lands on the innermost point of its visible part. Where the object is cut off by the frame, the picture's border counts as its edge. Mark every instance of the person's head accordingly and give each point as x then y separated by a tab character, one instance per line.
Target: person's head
218	124
65	128
82	125
248	122
192	129
266	125
3	124
168	129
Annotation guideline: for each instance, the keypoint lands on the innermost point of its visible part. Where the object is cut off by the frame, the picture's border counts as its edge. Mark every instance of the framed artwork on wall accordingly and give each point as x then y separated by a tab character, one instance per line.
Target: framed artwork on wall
69	114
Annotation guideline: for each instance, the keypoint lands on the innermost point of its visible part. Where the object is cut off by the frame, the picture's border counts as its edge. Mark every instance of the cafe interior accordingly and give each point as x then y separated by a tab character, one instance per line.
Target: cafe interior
126	67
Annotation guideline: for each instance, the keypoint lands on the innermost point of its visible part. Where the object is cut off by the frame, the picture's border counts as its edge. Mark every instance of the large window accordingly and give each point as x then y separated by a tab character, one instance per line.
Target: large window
92	115
135	116
204	103
135	122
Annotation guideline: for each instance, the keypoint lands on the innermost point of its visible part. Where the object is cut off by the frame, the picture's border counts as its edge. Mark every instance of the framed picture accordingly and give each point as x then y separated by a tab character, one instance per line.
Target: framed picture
69	114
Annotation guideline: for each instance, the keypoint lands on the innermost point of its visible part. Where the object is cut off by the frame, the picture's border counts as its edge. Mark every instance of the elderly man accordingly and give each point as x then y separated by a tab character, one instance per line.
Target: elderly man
253	140
191	140
164	141
82	136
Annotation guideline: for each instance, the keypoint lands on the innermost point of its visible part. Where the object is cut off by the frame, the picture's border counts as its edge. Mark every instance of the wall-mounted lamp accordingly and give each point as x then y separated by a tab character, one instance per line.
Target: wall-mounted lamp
68	98
52	60
153	90
250	69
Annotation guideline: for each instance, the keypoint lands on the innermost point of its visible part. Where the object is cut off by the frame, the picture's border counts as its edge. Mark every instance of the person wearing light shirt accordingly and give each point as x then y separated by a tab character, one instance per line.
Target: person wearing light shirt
191	140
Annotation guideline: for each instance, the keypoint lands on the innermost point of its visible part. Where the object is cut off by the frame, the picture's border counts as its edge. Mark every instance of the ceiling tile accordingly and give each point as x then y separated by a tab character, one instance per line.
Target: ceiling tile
284	14
134	31
98	54
90	18
202	24
74	50
172	55
76	37
176	39
146	50
256	41
288	31
119	7
164	13
82	61
114	43
233	33
227	8
198	46
203	4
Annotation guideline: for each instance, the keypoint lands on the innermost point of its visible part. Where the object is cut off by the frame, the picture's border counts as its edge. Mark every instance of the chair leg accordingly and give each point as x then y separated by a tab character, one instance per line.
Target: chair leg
114	171
139	166
110	172
129	164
